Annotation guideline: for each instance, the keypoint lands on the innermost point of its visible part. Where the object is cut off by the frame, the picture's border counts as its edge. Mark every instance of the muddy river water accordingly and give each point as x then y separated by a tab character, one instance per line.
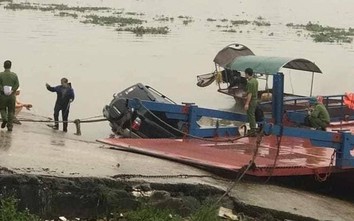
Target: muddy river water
100	61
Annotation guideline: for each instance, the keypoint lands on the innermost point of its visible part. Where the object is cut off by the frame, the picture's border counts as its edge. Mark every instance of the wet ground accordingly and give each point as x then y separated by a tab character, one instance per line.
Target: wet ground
54	168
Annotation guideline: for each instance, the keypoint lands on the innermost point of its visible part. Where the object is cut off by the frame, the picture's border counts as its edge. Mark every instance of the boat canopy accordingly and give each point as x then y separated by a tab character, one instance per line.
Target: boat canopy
271	65
230	53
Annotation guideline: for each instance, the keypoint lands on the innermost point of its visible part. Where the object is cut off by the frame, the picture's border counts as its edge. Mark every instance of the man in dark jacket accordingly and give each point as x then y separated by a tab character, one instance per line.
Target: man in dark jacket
8	85
65	95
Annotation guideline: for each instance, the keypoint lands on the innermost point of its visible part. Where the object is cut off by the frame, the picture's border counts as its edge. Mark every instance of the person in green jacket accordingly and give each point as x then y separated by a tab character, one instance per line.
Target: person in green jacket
251	100
8	86
318	115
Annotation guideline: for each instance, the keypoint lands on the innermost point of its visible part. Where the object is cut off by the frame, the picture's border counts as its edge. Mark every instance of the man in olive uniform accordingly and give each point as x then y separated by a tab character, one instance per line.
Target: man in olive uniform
318	115
8	86
251	100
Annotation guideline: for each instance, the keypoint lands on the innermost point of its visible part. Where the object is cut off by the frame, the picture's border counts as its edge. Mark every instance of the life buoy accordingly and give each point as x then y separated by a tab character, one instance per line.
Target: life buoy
349	100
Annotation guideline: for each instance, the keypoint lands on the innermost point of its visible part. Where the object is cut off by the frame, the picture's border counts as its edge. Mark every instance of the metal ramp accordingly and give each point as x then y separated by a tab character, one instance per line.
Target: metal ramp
297	156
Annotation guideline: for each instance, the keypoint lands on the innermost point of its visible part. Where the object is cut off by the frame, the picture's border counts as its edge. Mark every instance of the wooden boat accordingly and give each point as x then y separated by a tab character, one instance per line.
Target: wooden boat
231	62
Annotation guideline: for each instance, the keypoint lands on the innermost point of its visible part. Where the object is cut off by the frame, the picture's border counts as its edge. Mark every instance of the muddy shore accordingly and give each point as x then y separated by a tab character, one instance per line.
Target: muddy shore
91	198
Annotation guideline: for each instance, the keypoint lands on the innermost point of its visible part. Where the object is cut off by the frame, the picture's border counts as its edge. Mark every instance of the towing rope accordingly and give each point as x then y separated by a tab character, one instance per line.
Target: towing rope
329	172
245	169
279	138
182	176
77	122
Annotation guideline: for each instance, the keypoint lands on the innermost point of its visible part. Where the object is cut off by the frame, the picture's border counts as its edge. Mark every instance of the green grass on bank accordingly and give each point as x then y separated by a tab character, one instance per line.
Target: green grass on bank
10	212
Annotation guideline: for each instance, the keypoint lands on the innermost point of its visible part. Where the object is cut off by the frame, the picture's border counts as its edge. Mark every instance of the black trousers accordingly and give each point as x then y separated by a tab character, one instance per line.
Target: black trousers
65	114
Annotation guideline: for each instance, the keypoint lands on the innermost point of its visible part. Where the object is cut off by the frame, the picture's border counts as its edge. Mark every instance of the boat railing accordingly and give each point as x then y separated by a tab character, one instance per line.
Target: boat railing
334	104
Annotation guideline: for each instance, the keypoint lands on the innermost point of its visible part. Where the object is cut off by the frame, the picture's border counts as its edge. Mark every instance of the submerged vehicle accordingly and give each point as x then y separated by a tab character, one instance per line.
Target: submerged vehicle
140	122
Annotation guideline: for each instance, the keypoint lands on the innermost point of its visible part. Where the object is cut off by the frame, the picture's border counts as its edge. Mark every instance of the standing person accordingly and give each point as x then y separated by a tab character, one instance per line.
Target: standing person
65	95
318	115
8	86
251	100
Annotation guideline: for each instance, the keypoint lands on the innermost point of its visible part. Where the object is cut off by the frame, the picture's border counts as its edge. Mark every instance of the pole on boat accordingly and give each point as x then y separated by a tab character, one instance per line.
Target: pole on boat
313	76
216	71
278	97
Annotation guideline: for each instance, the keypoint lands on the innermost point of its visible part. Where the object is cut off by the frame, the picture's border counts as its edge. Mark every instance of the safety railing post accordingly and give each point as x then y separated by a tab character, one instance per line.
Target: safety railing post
278	97
192	119
343	155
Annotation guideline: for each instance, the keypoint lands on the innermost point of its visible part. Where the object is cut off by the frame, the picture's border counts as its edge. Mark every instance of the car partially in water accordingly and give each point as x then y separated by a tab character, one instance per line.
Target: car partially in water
140	122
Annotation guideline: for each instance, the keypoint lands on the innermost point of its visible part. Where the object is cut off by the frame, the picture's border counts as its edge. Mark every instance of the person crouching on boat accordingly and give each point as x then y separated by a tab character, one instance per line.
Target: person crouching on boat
65	95
251	100
318	115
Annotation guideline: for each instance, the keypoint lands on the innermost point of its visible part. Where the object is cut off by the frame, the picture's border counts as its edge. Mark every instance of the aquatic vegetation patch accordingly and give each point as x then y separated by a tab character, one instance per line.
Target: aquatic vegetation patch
321	33
67	14
211	19
112	20
62	7
131	13
240	22
163	18
51	7
222	26
229	30
331	37
233	23
261	23
186	19
135	13
140	30
21	6
295	26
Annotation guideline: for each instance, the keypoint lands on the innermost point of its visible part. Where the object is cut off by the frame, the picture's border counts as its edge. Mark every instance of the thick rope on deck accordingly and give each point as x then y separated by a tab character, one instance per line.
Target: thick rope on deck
242	172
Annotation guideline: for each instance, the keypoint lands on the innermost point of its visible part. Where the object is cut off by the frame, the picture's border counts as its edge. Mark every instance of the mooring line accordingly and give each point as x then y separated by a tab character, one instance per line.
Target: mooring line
244	169
77	122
